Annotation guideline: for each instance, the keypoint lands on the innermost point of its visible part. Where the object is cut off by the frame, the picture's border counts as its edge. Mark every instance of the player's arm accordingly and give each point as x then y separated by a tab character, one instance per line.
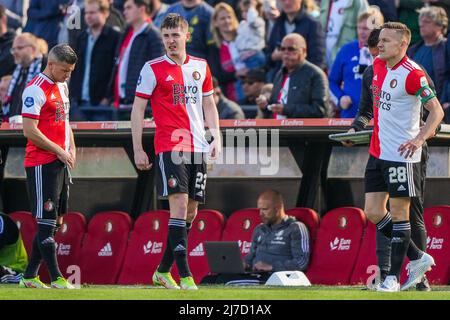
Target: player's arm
144	89
32	132
137	117
72	147
211	115
212	120
417	84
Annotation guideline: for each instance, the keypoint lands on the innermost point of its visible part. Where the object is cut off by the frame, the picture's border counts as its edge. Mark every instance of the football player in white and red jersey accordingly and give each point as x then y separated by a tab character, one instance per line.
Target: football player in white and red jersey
180	90
49	153
400	87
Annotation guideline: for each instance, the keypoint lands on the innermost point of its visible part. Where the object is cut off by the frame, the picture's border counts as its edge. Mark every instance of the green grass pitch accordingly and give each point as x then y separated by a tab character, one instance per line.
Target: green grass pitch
12	292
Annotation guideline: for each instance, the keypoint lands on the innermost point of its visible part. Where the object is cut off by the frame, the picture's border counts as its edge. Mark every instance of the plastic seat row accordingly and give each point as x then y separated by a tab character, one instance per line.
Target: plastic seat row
112	250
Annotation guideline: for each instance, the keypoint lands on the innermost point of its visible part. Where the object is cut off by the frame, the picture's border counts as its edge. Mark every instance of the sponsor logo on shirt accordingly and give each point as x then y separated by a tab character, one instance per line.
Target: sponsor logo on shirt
29	102
423	81
184	94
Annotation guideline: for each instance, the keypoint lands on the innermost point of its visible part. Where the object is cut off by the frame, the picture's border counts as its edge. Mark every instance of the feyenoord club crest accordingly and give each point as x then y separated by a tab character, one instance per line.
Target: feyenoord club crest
393	83
49	205
196	75
172	182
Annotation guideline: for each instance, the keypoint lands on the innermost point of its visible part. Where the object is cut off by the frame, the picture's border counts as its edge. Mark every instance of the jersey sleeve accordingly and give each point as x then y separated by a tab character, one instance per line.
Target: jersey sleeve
146	82
33	98
207	88
417	84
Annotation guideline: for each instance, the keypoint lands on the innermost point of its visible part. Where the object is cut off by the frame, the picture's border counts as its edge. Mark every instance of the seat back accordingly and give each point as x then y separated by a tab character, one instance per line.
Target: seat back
69	240
366	263
104	247
337	246
145	247
28	228
207	226
437	222
309	217
239	227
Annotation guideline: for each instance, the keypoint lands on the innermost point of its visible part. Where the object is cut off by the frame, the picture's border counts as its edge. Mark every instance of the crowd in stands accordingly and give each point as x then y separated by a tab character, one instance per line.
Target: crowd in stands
270	58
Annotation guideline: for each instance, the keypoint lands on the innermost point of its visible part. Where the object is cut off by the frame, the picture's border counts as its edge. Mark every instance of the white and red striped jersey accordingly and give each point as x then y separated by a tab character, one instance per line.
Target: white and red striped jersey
48	102
176	93
398	96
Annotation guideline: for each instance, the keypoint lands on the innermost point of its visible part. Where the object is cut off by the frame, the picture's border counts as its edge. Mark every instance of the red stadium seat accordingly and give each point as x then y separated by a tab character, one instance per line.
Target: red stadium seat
239	227
309	217
145	248
69	239
437	221
208	226
337	246
28	227
367	256
104	247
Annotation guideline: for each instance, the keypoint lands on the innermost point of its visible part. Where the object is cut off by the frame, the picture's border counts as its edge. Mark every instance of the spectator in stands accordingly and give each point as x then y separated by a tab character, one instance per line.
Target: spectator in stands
252	84
45	17
339	20
224	61
266	92
13	256
29	62
294	18
271	13
42	46
407	14
250	39
141	42
198	14
430	51
349	65
6	41
226	108
95	50
159	10
387	7
115	20
17	12
300	88
4	84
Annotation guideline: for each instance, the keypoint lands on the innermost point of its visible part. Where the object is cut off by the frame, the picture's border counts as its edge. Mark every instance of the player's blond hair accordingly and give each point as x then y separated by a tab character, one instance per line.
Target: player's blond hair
400	28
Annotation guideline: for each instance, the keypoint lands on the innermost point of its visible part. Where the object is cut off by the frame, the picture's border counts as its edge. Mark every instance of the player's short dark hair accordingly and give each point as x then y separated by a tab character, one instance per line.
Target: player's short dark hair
399	28
144	3
63	53
174	20
373	39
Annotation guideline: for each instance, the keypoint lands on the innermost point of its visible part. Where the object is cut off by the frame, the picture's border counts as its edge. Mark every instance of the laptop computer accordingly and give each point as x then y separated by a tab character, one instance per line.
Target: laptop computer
224	257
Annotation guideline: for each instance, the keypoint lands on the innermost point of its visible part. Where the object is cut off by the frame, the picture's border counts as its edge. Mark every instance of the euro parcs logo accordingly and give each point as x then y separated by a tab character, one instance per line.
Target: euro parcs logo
29	102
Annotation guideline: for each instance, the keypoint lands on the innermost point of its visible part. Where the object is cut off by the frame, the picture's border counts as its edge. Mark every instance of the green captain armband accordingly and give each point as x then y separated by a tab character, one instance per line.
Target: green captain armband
425	94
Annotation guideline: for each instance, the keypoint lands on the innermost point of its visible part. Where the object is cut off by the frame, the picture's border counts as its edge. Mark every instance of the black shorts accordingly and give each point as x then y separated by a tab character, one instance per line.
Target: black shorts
399	179
181	172
48	191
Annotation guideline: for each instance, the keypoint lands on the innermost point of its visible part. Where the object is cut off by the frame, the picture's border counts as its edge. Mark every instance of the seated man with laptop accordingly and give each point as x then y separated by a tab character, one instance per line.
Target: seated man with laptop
280	243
